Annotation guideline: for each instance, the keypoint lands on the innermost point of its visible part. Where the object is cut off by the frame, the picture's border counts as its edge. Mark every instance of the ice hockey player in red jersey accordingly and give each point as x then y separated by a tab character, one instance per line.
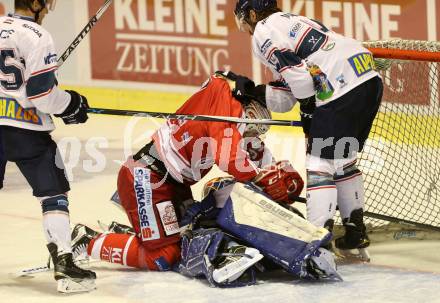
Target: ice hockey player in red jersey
154	184
29	94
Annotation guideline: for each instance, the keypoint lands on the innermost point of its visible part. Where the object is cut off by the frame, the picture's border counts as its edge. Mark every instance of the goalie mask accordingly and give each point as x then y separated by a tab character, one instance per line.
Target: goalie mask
255	110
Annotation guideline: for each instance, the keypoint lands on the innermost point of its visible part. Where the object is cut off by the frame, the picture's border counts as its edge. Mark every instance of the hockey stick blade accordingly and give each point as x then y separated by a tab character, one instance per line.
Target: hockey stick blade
92	22
207	118
30	272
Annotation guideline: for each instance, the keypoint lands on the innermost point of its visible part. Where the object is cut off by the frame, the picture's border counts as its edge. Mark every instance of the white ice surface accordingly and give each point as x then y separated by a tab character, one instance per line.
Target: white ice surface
399	272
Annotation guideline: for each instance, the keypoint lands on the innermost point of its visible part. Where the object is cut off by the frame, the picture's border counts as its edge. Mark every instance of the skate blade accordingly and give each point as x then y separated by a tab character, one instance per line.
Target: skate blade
234	270
68	286
352	256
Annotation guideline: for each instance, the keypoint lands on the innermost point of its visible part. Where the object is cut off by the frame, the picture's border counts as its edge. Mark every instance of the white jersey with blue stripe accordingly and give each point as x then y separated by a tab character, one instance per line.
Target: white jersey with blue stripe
28	87
285	43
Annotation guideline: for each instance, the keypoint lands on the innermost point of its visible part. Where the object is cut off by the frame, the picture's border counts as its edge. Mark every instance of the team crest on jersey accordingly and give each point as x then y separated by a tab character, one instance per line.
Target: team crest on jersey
362	63
11	110
168	217
144	198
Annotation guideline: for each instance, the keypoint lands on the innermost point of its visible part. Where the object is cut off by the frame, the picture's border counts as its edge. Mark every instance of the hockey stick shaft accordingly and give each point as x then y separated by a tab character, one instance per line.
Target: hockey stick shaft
117	112
384	217
84	32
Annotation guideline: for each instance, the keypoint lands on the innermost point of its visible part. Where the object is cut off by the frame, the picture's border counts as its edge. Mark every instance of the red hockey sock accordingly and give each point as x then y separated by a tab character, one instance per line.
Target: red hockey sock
128	250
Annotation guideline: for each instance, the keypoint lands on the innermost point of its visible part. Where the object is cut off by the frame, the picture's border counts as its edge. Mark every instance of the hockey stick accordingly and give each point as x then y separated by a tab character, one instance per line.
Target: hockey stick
384	217
84	32
29	272
117	112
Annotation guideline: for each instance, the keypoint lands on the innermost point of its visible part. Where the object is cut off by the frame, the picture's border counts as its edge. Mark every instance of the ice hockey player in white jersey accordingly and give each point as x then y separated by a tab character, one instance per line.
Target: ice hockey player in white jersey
2	161
29	94
334	79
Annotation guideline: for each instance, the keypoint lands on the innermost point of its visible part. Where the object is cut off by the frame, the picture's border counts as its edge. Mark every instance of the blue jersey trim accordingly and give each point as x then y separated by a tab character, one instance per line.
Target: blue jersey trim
40	83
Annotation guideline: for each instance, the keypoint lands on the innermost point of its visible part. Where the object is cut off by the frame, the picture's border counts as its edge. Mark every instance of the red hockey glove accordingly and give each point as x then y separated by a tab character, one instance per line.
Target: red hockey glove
279	181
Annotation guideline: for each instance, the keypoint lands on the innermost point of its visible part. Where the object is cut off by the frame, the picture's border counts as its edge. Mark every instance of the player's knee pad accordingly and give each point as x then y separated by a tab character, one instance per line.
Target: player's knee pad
58	203
350	190
321	197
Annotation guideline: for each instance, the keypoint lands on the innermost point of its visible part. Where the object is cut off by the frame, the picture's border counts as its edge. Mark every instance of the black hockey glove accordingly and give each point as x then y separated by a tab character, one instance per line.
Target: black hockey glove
76	111
307	107
245	90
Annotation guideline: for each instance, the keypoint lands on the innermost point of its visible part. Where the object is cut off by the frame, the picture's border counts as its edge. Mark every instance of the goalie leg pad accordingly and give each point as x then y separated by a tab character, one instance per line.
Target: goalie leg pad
282	236
201	250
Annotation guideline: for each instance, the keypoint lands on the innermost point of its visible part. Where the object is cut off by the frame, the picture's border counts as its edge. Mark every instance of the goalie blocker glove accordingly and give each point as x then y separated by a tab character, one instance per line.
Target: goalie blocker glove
244	89
76	111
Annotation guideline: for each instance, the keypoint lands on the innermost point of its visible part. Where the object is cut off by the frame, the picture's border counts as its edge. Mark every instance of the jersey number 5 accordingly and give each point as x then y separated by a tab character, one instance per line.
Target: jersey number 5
12	75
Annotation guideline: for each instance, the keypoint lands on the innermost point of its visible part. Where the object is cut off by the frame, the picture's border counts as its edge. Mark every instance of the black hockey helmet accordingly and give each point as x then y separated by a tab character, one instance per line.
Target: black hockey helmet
49	4
243	7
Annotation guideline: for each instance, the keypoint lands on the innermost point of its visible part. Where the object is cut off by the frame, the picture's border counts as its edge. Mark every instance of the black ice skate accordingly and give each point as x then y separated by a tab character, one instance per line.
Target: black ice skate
355	237
81	237
70	278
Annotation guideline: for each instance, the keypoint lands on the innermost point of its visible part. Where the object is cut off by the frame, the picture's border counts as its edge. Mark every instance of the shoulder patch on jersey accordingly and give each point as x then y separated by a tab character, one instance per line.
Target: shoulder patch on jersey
33	29
362	63
311	40
41	83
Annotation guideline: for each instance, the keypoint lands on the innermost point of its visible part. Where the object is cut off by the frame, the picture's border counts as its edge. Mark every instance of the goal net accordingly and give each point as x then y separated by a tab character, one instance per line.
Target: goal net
401	160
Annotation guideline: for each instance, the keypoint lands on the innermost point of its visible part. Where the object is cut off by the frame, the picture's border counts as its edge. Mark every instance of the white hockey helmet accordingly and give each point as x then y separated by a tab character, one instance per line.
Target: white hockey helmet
323	265
255	110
